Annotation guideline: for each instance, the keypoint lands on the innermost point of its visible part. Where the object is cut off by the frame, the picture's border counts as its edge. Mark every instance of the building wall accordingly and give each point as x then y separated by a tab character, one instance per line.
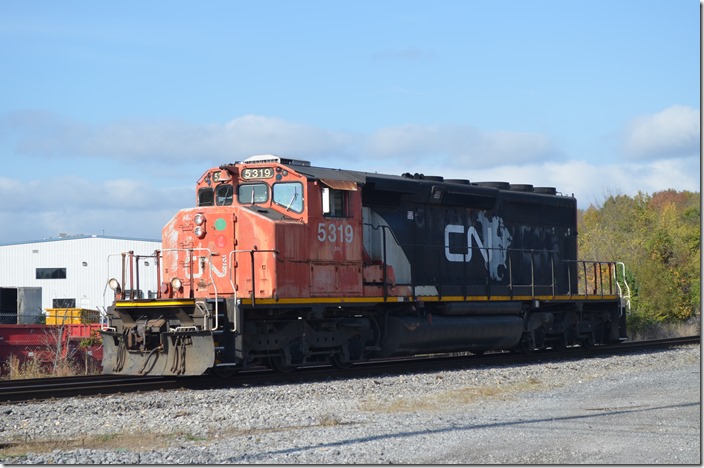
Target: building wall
90	261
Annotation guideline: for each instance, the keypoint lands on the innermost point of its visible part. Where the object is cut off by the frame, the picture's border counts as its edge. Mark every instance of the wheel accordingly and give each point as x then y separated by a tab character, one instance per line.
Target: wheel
349	353
279	364
526	345
337	361
559	345
224	372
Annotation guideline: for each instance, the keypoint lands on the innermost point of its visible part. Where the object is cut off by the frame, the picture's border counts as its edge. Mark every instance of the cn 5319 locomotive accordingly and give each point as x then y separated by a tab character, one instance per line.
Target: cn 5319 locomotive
285	264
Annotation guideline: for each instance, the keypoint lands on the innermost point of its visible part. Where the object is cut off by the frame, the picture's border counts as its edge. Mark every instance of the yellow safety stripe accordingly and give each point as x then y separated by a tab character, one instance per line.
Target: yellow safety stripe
157	303
371	299
397	299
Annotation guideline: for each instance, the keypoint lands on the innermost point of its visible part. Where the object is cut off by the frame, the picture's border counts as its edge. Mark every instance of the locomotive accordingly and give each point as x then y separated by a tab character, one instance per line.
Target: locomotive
285	264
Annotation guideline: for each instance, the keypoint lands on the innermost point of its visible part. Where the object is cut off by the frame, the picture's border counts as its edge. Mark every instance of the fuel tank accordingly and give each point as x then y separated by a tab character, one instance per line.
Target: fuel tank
434	333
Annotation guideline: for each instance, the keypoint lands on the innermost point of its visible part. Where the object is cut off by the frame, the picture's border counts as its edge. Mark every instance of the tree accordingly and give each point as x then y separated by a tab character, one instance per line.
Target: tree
658	237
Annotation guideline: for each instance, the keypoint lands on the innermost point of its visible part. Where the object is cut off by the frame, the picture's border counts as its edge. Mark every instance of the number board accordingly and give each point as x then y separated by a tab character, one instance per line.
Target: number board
258	173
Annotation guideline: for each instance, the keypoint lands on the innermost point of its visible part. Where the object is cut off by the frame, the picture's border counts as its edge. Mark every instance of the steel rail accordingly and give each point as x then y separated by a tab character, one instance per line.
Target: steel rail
13	391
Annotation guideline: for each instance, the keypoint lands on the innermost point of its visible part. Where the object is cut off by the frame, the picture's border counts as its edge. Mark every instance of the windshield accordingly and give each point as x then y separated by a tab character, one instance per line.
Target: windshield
223	194
289	195
250	194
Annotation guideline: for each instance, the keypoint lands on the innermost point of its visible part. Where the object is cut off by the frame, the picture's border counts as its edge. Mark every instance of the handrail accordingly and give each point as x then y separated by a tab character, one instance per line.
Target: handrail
104	319
627	297
383	228
133	285
128	262
231	259
600	288
190	274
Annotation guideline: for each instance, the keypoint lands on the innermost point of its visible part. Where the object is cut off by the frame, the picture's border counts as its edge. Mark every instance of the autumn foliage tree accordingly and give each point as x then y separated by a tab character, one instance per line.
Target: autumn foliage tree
658	237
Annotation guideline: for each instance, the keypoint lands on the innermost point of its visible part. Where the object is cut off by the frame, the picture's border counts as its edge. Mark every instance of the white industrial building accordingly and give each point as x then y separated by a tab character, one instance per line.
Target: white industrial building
70	272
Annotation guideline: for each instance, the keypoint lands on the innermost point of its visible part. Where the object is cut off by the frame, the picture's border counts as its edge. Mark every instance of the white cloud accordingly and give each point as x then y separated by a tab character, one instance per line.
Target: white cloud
40	209
47	135
253	134
671	133
80	194
48	223
592	184
42	134
130	208
460	145
137	205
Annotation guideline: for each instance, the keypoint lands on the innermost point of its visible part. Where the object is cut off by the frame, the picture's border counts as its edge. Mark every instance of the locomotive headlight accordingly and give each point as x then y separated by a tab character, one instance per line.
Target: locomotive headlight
199	219
199	231
114	284
176	284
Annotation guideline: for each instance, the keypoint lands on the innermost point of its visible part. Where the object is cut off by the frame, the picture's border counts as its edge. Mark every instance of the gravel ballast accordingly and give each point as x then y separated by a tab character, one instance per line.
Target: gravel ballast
630	409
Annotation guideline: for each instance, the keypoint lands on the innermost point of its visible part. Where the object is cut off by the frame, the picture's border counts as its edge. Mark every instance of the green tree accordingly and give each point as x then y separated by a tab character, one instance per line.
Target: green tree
658	237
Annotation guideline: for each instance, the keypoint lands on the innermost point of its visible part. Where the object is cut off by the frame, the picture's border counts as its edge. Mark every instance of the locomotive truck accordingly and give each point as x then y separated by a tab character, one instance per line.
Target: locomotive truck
285	264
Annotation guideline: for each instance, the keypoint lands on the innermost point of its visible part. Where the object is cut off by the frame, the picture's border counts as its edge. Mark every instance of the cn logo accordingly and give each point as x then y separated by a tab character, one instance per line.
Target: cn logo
493	243
472	235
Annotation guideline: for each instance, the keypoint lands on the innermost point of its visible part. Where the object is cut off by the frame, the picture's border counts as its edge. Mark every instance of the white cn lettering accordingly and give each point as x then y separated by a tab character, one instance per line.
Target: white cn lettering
200	265
218	273
471	234
454	257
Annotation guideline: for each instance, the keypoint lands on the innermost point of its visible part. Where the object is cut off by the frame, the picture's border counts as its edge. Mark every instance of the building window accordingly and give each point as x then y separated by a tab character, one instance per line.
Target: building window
51	273
64	303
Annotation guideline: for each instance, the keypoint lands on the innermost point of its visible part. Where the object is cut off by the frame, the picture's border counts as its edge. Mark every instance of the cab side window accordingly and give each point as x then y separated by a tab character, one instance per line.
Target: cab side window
335	203
205	197
223	194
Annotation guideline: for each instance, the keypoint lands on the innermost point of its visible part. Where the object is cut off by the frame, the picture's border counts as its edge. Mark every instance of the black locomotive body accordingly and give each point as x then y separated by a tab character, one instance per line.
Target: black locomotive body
493	265
480	240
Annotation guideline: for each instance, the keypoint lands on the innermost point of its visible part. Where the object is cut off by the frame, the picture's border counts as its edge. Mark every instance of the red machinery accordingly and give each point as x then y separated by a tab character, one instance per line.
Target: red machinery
49	344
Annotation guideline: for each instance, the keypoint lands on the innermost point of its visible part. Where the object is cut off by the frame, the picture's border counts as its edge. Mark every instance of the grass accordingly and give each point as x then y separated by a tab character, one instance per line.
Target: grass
35	368
328	420
449	398
137	441
665	330
132	441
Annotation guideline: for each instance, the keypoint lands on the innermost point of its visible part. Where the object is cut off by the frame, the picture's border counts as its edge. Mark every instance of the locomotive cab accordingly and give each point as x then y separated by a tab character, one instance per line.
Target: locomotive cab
260	231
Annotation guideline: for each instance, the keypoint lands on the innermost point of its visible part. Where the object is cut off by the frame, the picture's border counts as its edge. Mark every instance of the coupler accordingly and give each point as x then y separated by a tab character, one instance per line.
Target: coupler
185	351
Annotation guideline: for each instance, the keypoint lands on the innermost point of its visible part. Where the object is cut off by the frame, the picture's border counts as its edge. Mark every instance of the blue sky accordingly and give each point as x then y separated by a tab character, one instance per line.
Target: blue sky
110	111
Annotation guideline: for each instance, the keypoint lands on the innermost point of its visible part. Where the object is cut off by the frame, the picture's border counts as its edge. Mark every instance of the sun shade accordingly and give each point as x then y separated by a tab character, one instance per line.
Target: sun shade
340	184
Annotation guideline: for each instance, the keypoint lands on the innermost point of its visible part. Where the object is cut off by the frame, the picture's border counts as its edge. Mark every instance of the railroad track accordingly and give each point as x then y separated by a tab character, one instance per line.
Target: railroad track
13	391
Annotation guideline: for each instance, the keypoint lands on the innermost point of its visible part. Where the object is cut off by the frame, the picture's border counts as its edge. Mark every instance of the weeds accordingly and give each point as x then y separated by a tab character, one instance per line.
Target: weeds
449	398
133	441
327	420
30	369
639	331
110	441
36	368
56	355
